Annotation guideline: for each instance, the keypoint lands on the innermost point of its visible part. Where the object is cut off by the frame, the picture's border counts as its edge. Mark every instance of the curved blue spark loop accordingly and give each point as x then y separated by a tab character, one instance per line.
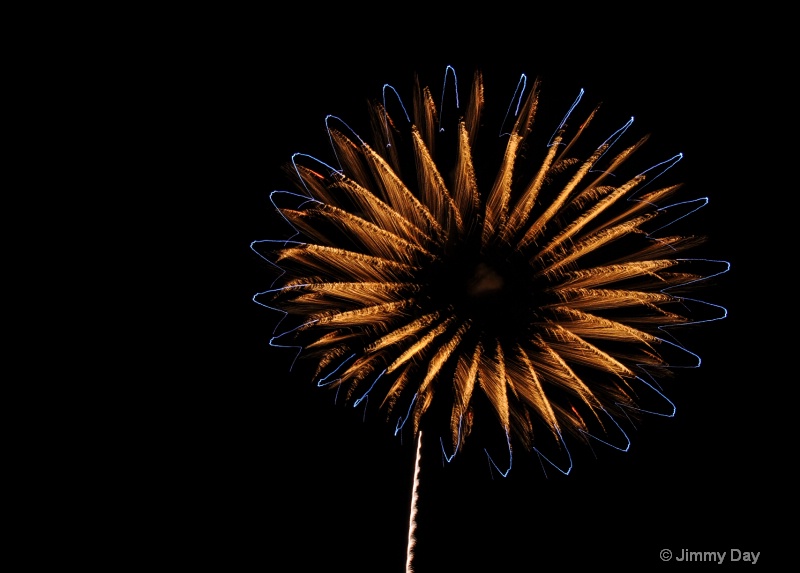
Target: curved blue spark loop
542	456
272	340
305	199
566	117
444	88
386	112
402	422
256	251
330	137
458	442
510	456
705	303
519	91
702	200
322	381
682	349
399	100
365	394
653	412
272	195
722	272
331	168
670	163
613	138
613	419
723	311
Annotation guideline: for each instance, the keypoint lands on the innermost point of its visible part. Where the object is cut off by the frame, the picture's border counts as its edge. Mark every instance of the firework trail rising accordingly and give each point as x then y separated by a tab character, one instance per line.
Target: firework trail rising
534	305
412	521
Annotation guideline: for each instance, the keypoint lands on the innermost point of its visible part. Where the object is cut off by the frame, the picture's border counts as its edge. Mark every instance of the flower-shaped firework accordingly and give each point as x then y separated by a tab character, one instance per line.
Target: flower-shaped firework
536	301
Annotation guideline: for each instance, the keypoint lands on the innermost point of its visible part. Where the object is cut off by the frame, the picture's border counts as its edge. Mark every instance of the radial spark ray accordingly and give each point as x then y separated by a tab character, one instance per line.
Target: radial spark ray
538	302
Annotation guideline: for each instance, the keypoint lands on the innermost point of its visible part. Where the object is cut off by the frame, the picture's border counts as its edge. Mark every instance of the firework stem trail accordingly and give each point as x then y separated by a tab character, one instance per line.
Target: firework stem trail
412	518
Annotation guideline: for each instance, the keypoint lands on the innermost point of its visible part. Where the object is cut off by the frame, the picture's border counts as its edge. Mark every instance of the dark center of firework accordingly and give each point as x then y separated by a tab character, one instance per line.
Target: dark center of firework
498	295
484	281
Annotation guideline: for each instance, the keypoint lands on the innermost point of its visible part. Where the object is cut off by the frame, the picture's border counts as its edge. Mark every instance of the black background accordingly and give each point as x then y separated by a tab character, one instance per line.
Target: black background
265	469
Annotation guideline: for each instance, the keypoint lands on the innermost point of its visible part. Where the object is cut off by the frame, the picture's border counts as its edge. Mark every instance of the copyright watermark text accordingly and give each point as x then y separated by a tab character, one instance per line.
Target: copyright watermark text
719	557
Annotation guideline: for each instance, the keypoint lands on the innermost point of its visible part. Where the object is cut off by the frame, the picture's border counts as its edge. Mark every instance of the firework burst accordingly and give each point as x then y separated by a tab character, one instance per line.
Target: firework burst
535	302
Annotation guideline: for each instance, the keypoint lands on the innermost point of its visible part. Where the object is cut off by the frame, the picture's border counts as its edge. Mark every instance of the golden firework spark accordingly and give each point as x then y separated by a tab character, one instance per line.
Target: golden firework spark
536	301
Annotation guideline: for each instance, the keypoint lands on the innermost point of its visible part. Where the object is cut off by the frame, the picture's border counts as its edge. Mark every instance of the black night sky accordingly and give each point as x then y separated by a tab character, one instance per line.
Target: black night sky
289	477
